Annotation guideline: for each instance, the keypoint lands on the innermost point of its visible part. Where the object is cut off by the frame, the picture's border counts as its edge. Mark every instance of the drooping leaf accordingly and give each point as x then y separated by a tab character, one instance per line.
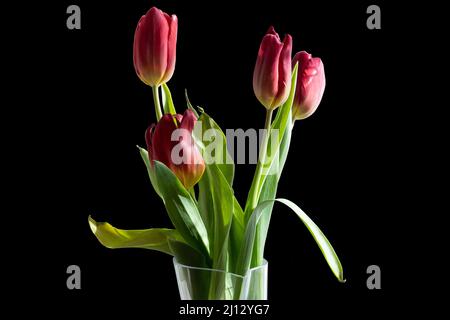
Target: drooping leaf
182	209
167	101
323	243
154	239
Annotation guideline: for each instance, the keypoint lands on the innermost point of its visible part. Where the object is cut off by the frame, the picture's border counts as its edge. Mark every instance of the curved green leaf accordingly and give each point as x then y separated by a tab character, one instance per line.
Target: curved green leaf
150	170
217	205
323	243
153	239
182	209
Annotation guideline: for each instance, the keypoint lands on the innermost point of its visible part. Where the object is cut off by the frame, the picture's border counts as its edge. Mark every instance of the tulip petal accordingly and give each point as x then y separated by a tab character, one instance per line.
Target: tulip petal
311	85
189	120
148	136
272	75
284	72
171	47
177	149
161	139
137	61
271	30
157	38
265	76
154	47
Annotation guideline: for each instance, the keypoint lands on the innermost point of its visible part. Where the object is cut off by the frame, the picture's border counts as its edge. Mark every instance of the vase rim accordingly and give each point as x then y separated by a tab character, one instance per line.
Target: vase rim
264	265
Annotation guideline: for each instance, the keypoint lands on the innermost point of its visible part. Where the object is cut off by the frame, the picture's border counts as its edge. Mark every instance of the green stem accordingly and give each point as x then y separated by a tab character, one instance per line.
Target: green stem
262	159
156	102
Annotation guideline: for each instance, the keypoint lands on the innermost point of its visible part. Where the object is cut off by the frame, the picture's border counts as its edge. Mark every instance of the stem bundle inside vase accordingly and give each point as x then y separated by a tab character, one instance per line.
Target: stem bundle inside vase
217	244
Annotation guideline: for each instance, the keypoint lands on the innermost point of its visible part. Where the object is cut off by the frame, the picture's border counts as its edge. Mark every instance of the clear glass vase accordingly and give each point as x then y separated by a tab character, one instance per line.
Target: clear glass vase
209	284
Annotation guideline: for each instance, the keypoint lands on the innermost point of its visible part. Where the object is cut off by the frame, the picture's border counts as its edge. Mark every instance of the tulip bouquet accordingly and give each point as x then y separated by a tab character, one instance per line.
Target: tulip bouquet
218	245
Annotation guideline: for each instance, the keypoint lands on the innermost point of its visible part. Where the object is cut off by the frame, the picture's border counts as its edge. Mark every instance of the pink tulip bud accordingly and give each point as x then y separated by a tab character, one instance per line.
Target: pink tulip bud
310	85
154	49
272	75
171	143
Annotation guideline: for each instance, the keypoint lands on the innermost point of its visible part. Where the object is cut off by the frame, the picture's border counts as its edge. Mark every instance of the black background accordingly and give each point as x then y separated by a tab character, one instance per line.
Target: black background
342	168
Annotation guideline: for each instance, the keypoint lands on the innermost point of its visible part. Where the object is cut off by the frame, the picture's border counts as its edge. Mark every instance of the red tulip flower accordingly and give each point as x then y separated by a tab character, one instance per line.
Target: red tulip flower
310	85
154	48
170	142
272	75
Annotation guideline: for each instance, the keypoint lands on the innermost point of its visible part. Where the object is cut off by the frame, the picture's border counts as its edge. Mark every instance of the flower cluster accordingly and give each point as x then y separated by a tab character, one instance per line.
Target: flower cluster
211	229
154	56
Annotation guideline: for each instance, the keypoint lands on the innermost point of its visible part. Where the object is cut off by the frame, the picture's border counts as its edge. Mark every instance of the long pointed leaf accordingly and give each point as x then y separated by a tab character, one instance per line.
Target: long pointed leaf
150	170
207	132
167	101
182	209
154	239
210	134
216	196
323	243
236	235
